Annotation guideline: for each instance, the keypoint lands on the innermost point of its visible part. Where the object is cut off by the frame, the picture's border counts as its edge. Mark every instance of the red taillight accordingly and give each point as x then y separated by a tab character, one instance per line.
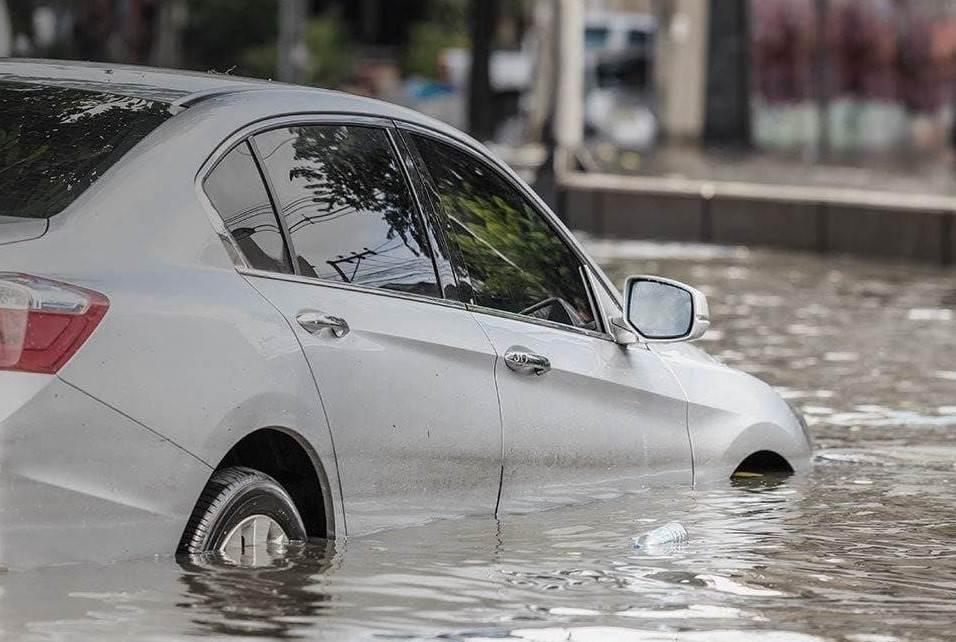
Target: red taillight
43	323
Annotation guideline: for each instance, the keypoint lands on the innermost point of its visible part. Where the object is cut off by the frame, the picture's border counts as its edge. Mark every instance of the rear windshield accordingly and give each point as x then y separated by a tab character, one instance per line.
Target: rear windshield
55	142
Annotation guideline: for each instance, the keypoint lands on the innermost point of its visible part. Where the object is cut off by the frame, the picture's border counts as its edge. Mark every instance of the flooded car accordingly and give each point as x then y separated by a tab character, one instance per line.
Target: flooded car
235	314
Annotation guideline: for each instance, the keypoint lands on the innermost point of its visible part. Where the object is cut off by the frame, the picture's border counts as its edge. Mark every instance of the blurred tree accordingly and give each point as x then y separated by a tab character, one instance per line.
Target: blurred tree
221	32
327	46
446	26
330	50
95	26
19	11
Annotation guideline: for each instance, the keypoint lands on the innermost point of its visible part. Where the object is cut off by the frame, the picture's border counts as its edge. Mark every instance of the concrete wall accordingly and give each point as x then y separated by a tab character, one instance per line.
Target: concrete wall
894	233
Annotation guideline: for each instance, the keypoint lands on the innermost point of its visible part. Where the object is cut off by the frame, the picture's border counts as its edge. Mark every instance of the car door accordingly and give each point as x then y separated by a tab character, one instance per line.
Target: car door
406	378
583	417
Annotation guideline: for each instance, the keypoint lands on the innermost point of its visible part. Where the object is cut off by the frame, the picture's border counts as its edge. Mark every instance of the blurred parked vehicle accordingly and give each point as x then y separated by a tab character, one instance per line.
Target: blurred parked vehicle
236	313
619	106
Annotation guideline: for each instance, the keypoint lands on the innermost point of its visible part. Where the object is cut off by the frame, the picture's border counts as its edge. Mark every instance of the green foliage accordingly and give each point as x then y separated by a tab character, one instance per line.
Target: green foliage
221	33
20	12
426	42
259	62
446	26
330	50
515	261
330	53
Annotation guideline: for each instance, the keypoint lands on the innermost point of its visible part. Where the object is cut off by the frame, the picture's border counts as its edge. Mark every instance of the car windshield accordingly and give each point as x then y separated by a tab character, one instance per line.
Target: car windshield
56	141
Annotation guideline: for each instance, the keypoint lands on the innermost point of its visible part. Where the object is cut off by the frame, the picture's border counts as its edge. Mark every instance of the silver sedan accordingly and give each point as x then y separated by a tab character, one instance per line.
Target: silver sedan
236	313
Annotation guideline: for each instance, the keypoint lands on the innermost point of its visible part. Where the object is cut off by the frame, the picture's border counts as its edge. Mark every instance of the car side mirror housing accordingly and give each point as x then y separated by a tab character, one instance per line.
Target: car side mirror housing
660	310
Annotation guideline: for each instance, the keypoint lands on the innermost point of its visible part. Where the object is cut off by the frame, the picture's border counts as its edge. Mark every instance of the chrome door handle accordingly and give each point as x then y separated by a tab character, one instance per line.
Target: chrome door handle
315	322
523	361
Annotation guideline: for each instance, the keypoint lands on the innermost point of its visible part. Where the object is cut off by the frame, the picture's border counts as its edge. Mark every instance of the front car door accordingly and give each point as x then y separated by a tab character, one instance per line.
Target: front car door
406	377
582	416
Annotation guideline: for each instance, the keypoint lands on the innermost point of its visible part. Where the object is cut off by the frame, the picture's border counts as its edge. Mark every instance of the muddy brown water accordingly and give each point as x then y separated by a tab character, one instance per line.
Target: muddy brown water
862	549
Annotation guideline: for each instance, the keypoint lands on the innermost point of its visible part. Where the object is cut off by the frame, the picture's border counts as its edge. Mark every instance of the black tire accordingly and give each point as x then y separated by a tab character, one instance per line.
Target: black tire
232	495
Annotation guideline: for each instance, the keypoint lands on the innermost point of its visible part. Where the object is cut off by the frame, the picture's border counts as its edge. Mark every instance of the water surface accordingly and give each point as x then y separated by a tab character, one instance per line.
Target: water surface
863	549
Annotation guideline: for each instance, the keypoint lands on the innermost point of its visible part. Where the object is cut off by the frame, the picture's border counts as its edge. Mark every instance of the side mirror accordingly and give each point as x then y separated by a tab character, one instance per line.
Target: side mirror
665	311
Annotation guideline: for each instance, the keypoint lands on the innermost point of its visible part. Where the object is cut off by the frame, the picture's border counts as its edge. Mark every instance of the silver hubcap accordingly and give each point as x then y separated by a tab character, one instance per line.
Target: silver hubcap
253	541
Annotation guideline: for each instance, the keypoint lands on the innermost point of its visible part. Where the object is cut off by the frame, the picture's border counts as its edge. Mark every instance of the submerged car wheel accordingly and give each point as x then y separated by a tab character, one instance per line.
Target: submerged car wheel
243	514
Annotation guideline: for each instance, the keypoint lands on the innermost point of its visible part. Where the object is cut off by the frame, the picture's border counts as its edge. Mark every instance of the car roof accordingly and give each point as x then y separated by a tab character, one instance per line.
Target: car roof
180	89
162	85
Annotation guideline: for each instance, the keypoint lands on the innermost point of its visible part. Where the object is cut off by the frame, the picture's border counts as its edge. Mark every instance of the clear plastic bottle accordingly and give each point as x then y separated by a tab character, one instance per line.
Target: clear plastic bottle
662	536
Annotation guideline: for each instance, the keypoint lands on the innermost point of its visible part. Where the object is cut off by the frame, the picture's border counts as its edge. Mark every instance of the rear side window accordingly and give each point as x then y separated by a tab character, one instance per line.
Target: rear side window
348	208
56	142
237	192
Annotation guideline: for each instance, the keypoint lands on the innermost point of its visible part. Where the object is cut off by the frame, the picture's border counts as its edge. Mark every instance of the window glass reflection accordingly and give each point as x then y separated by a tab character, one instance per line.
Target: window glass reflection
516	262
239	195
348	207
55	142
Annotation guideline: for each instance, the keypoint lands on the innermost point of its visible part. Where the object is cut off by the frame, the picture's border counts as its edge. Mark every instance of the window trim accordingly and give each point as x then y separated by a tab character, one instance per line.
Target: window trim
585	264
247	133
418	202
419	179
230	244
217	219
514	316
340	285
598	284
273	202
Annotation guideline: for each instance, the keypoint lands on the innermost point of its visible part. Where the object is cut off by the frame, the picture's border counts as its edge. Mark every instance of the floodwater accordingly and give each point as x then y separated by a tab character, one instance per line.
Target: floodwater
862	549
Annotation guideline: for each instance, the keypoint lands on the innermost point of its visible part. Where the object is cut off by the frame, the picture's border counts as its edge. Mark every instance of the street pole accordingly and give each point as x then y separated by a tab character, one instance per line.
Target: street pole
727	115
544	80
170	21
293	55
484	18
821	80
569	111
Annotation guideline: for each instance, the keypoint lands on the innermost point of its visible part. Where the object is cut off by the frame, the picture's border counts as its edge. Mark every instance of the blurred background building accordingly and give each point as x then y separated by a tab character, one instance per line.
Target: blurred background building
839	93
810	78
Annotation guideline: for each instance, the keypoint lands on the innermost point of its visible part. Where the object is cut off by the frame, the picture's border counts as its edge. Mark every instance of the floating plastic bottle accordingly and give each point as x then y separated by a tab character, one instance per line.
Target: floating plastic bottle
665	536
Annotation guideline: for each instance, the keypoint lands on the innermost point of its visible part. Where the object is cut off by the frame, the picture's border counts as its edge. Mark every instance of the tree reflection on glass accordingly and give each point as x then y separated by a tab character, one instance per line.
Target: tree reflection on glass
55	142
348	207
516	262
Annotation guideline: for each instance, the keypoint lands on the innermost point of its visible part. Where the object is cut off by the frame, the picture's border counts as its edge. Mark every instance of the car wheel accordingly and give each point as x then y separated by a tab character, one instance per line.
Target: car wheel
243	514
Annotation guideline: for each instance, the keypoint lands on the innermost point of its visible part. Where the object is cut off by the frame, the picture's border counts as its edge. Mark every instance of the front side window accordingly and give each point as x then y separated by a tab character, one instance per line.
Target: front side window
516	262
348	208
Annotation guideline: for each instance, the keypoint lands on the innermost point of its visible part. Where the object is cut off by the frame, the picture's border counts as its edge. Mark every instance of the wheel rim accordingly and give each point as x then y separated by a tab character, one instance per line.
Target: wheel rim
254	540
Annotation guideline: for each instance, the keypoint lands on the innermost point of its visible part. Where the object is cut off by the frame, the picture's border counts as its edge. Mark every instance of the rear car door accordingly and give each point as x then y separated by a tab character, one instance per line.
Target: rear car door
583	417
406	378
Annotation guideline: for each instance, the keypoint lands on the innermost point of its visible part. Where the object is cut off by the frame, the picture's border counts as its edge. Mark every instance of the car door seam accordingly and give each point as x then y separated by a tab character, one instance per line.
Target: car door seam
690	437
501	419
318	391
